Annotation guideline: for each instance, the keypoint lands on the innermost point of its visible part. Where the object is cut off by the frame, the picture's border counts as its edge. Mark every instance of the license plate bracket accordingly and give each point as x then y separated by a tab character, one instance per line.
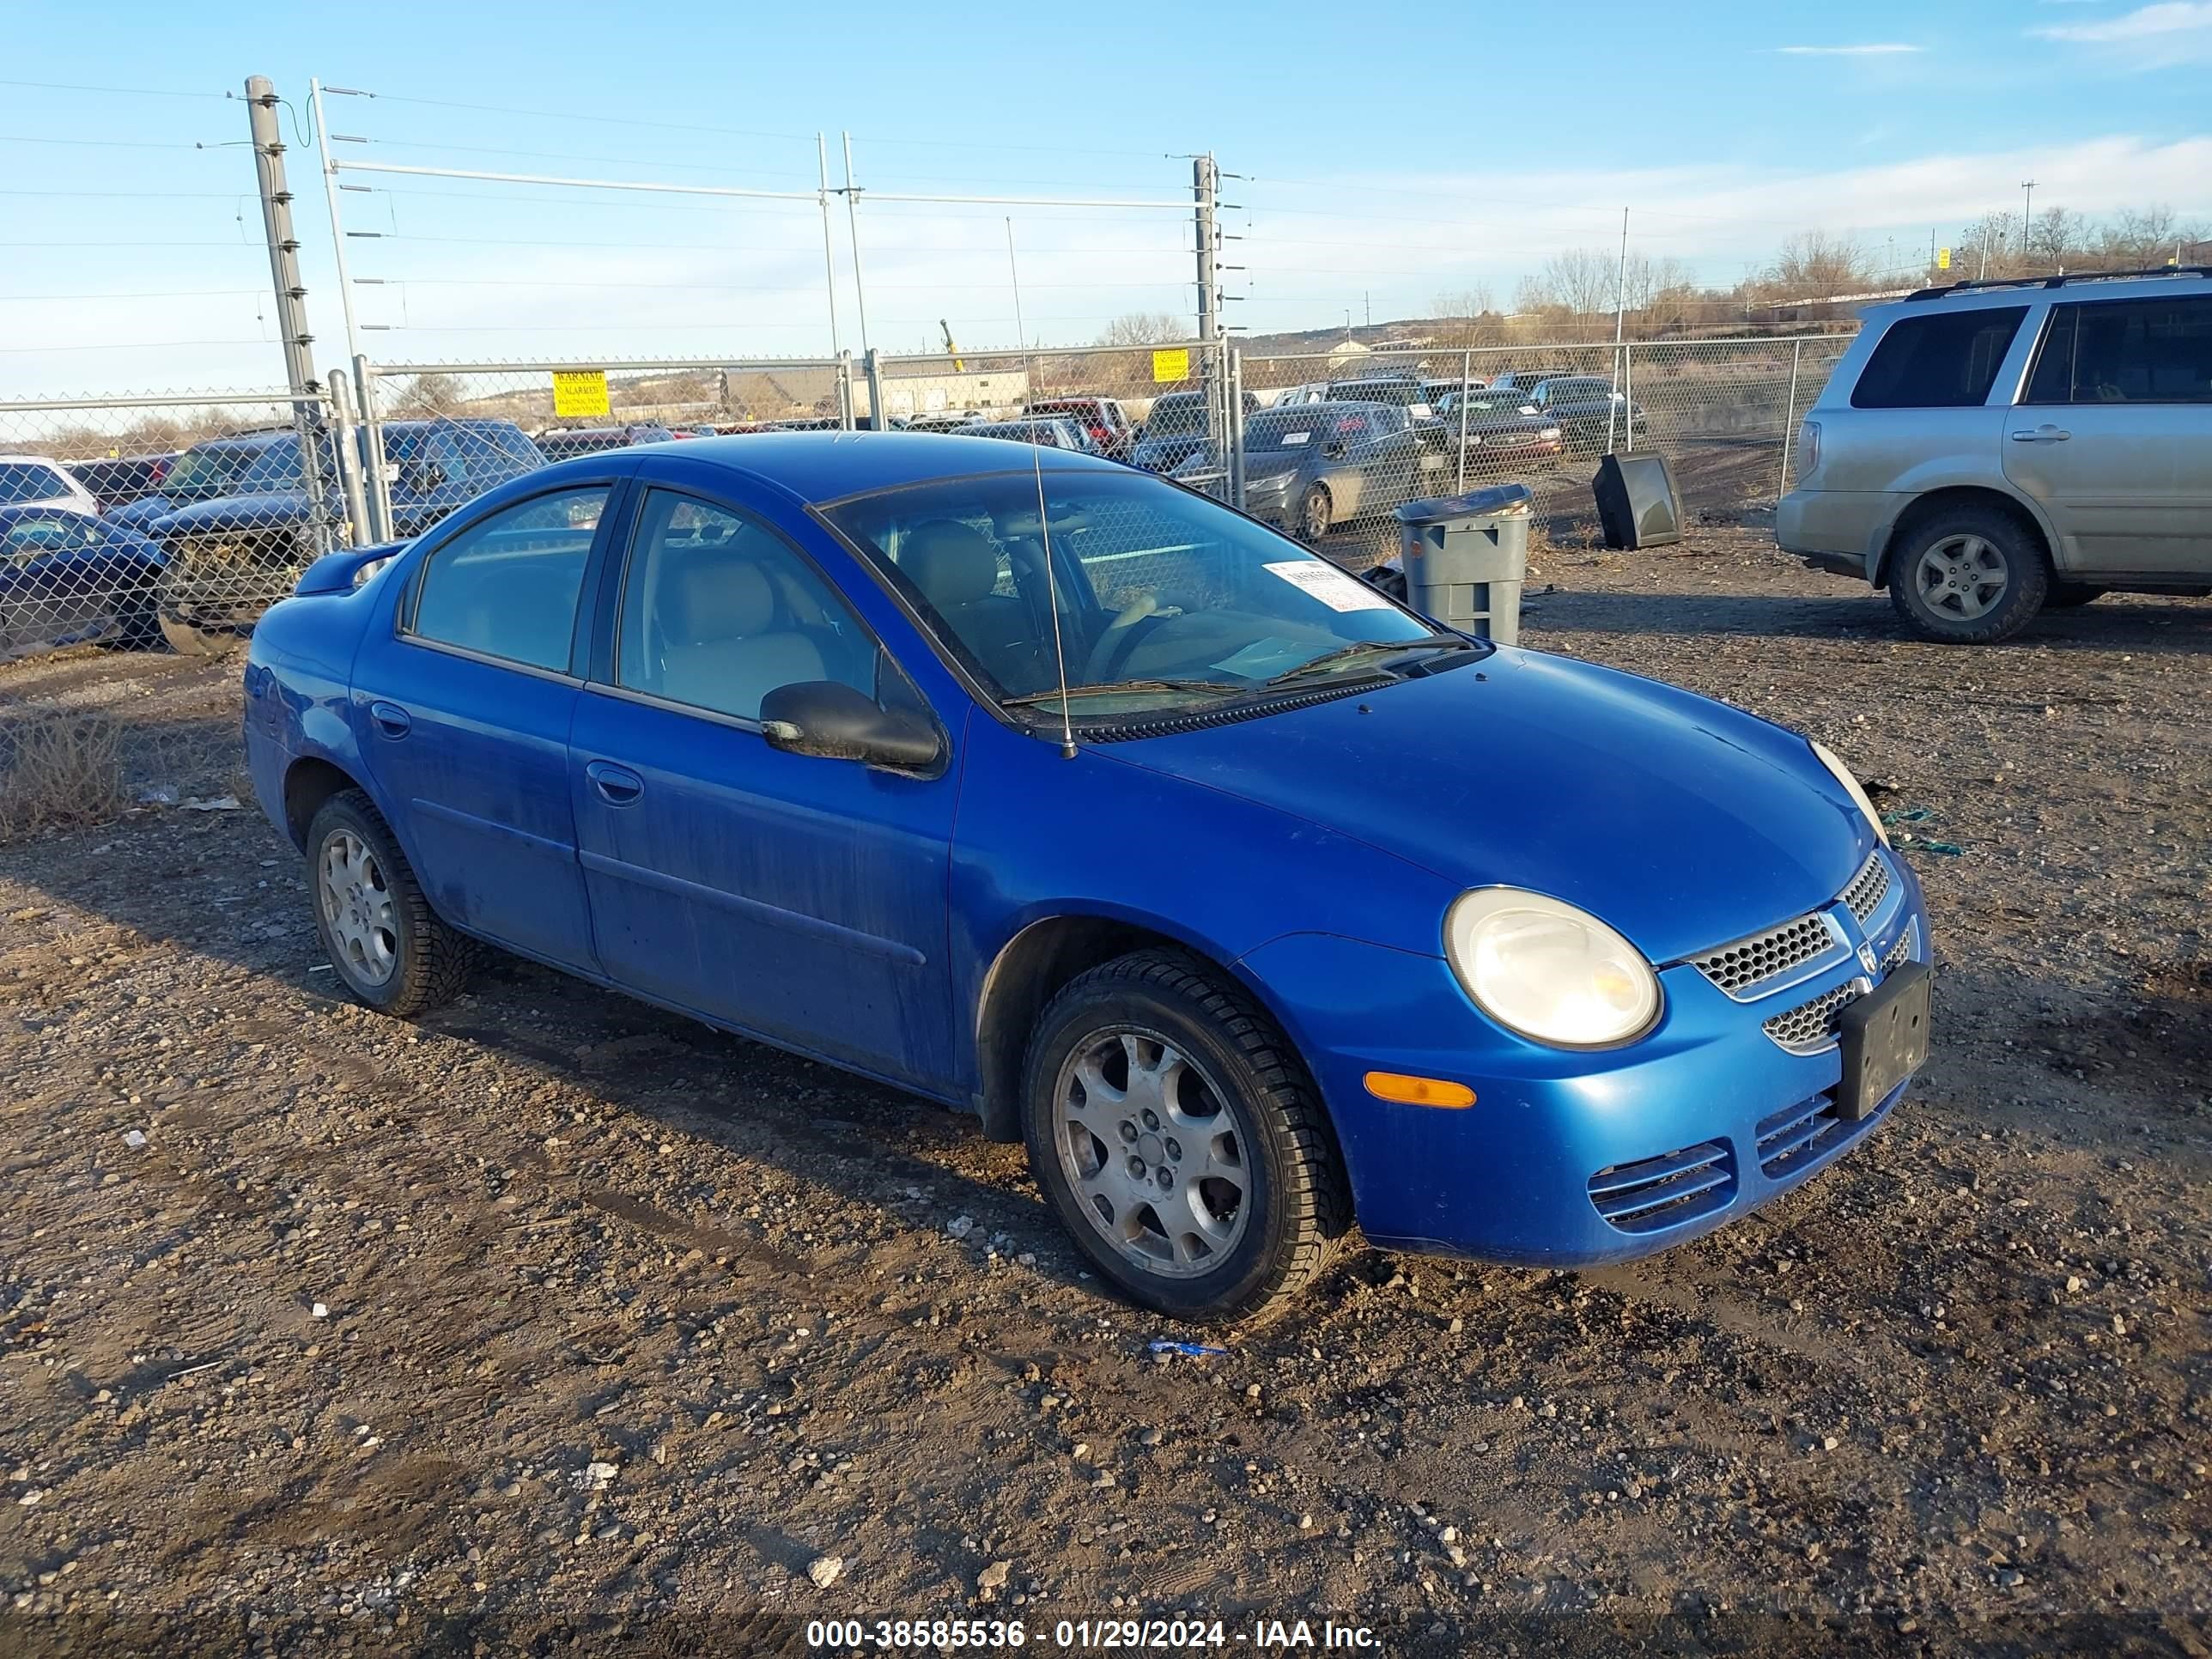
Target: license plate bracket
1885	1039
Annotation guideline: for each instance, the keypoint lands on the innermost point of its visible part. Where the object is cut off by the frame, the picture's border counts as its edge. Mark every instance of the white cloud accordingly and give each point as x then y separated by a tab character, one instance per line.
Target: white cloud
1872	49
2171	32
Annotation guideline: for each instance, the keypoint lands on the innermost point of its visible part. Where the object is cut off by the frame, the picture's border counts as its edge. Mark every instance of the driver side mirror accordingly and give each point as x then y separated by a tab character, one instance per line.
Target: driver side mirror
830	720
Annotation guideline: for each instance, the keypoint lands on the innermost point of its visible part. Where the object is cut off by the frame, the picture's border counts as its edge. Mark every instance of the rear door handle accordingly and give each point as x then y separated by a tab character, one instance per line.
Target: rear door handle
390	719
617	785
2042	434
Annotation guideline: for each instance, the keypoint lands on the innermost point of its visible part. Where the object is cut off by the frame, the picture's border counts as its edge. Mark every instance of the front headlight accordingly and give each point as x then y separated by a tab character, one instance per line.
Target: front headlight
1842	774
1548	971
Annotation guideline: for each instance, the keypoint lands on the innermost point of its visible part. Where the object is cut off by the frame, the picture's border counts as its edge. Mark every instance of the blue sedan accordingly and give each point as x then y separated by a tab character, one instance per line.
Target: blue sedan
67	578
1255	904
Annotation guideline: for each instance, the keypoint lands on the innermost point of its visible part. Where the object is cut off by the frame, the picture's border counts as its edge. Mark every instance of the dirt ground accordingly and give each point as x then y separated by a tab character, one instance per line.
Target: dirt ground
555	1324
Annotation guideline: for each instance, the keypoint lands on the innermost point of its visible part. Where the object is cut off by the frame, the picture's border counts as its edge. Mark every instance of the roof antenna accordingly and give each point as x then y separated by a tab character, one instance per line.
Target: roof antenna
1052	597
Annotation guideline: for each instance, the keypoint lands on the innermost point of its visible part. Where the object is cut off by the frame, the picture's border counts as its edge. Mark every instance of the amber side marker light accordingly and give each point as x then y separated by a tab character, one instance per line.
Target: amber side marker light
1418	1091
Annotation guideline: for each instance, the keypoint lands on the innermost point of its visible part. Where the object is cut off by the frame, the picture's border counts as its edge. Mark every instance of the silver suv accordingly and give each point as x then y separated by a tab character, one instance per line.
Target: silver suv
1987	449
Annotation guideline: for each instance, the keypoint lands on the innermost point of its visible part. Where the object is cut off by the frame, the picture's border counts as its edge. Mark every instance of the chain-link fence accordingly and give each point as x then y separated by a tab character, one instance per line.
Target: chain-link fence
176	517
1433	422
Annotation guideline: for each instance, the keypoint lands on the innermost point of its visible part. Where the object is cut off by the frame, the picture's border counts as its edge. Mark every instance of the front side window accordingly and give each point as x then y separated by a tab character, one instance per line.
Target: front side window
719	610
1943	360
508	586
2126	352
1165	600
27	480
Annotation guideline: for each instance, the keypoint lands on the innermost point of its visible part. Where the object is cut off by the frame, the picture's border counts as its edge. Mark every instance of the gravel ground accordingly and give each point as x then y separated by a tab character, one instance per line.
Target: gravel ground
553	1322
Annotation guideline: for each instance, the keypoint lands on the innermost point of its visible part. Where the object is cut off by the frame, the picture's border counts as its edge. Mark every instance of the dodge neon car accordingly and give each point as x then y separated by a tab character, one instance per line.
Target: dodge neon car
1256	904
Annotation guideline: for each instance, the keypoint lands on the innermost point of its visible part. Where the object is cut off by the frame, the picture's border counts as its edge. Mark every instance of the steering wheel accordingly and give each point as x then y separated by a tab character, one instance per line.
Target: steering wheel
1121	635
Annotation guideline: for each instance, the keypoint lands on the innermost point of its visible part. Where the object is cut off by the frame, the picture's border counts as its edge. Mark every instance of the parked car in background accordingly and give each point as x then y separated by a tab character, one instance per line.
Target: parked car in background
1103	418
71	578
1311	468
1988	450
235	519
1588	411
118	480
37	481
1052	434
1176	430
1498	423
1525	380
1405	391
1289	397
1079	801
560	442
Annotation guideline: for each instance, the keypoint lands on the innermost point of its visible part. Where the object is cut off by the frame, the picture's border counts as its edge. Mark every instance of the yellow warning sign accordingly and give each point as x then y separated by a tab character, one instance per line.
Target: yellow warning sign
1942	259
580	393
1171	364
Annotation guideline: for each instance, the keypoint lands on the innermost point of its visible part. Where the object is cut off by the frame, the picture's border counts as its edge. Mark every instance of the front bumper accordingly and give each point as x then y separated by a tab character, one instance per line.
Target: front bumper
1571	1158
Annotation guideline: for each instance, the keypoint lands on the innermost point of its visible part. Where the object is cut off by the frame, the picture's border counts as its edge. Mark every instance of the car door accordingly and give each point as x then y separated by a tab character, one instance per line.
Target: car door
462	708
799	899
2113	435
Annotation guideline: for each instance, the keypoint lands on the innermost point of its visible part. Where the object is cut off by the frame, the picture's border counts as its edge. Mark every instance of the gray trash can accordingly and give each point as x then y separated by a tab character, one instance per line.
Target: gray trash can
1465	558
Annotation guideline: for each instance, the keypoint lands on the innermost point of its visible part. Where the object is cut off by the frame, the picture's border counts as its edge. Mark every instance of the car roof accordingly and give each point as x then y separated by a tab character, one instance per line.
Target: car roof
2077	285
828	466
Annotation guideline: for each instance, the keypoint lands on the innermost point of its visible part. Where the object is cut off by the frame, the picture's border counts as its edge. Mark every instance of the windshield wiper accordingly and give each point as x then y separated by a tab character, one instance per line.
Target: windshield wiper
1032	698
1358	648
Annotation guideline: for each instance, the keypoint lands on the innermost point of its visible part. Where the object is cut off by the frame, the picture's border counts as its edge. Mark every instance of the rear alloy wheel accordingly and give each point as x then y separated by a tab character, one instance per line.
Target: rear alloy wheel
387	944
1970	576
1315	509
1178	1141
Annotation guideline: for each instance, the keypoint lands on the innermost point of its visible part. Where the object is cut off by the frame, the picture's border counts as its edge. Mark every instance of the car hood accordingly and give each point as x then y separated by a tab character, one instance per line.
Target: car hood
1681	822
230	512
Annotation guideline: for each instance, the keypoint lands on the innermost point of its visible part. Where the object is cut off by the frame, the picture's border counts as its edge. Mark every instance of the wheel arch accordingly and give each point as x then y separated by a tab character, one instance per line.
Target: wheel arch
1033	967
309	782
1950	497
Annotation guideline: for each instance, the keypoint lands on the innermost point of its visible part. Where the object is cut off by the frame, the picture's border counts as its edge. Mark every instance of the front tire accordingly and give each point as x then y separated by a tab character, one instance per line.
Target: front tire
1970	576
1179	1141
389	947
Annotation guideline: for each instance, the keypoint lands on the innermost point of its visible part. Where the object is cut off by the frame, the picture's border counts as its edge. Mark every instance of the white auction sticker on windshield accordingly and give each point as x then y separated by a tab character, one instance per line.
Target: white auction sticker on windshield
1329	585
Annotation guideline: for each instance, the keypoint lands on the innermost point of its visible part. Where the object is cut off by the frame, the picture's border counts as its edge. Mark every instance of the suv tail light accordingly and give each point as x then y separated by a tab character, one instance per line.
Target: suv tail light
1808	447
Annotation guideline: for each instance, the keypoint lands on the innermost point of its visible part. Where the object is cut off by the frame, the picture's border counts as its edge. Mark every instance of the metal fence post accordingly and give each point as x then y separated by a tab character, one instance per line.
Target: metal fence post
1789	421
1628	393
377	489
878	411
268	139
845	391
1235	424
1466	386
349	441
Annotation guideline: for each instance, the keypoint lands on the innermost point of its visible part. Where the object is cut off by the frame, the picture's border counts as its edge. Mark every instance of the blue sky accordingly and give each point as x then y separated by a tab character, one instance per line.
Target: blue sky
1382	168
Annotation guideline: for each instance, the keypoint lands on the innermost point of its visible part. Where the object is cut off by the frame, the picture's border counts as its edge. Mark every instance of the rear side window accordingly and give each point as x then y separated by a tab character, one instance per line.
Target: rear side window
1945	360
506	587
2126	352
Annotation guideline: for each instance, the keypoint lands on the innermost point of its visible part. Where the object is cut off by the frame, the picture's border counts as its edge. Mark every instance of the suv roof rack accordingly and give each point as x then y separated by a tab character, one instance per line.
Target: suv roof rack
2059	281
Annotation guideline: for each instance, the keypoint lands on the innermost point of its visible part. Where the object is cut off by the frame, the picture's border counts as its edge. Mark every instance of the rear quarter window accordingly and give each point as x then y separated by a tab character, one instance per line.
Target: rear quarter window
1943	360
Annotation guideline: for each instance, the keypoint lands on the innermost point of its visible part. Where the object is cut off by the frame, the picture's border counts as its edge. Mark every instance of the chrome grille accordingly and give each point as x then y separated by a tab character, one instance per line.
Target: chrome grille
1869	888
1740	969
1655	1194
1900	952
1811	1026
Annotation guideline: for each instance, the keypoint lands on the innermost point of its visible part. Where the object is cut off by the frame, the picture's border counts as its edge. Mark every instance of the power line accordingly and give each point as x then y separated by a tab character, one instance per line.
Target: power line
134	92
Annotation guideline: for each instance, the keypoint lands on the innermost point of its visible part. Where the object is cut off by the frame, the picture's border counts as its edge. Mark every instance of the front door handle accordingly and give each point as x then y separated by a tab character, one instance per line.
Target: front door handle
617	785
2042	434
390	719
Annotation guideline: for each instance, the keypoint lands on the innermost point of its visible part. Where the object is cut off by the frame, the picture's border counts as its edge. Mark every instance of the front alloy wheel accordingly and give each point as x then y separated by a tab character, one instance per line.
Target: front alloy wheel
1972	576
1315	509
1180	1141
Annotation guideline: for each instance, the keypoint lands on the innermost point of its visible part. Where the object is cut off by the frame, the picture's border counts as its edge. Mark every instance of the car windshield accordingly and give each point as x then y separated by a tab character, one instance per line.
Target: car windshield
1175	416
35	532
27	481
1308	427
233	469
1164	599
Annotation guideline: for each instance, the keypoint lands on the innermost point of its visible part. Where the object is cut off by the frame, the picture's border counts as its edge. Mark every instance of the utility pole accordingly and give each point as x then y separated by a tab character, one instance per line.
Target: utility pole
1368	300
1619	328
852	231
2027	218
1205	194
1014	271
291	296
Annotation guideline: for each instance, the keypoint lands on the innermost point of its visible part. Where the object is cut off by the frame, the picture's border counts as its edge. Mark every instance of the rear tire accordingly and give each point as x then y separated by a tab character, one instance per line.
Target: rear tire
1315	512
1149	1061
389	948
1970	575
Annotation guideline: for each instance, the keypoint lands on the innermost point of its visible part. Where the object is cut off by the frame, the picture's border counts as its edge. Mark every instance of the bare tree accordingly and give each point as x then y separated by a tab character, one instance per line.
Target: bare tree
1581	282
1815	263
1141	328
1469	302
